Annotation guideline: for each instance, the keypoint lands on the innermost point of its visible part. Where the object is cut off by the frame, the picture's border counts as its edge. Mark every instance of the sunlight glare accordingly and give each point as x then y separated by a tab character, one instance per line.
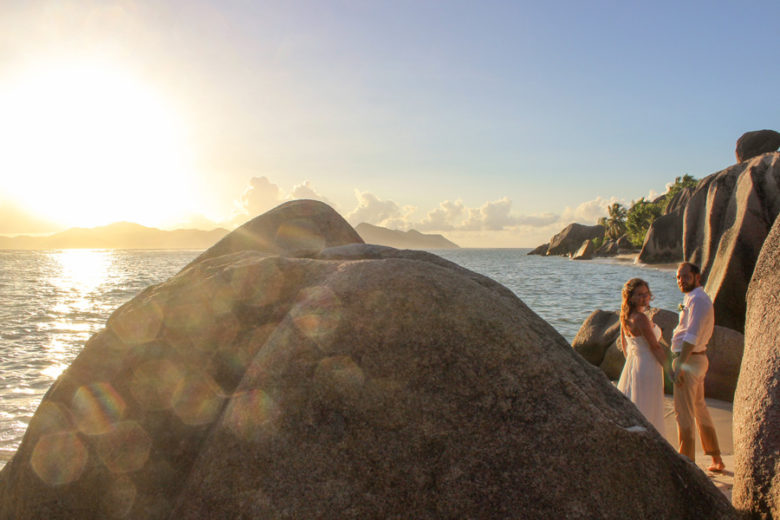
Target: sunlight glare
87	144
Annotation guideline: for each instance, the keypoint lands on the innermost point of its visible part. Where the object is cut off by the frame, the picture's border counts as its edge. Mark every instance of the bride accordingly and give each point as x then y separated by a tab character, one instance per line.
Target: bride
642	379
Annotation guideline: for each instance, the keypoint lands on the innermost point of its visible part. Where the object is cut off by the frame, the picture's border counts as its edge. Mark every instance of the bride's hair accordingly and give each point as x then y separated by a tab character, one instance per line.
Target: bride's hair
628	306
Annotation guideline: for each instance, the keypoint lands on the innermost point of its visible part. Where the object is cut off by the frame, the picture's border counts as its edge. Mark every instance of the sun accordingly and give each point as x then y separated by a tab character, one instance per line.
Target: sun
88	144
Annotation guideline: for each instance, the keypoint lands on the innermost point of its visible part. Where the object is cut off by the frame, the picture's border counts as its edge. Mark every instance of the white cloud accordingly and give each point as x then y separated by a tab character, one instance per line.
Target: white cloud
372	210
306	191
444	218
589	212
260	196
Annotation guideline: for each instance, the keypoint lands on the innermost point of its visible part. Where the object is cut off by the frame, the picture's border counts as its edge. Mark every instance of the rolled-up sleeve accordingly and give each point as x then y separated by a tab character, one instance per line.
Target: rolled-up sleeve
697	314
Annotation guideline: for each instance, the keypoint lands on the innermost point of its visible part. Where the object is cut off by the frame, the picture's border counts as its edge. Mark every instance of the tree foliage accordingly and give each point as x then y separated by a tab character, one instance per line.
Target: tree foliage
686	181
615	223
641	214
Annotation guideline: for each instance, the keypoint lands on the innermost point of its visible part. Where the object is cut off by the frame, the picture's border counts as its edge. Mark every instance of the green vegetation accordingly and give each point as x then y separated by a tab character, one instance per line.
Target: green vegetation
615	223
686	181
643	212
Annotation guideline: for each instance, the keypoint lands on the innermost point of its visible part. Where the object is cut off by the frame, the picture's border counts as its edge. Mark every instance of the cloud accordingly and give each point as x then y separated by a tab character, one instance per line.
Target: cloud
306	191
444	218
372	210
589	212
260	196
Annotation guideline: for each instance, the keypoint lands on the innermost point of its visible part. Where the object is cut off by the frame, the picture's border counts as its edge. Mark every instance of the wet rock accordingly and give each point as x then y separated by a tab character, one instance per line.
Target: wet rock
585	252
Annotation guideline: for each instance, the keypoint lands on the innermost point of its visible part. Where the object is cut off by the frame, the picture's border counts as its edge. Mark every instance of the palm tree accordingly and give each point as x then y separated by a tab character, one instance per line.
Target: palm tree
615	224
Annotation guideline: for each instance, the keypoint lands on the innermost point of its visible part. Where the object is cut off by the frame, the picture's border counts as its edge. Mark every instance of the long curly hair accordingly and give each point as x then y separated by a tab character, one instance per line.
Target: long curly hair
627	307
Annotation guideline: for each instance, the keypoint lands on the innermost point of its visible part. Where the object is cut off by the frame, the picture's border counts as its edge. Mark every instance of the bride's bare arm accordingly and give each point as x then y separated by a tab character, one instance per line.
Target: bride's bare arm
646	326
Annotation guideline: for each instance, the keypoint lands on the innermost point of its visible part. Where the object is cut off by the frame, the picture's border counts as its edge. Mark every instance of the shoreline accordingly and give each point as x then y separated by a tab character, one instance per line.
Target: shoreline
631	258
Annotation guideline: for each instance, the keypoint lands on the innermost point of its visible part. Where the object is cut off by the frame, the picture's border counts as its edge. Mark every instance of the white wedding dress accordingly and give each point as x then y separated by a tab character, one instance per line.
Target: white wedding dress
642	379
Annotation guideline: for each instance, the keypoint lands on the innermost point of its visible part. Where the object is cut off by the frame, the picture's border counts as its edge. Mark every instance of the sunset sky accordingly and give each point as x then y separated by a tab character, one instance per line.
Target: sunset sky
494	123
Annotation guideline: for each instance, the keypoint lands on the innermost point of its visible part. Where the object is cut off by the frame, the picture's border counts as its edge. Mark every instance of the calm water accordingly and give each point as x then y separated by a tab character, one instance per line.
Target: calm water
51	302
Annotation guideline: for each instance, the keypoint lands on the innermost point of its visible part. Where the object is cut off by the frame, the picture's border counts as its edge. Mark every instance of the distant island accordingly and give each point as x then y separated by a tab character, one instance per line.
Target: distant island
120	235
402	239
127	235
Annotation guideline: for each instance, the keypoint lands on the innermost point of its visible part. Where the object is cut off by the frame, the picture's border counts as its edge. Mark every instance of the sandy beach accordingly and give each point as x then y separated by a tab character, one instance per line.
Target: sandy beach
721	412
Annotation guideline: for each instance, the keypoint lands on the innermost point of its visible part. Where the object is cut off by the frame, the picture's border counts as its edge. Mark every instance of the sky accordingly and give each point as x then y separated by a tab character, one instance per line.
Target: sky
495	123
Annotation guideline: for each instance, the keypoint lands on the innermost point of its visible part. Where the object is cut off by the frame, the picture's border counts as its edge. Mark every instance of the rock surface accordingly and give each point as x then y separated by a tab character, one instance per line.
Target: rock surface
585	252
571	238
726	222
540	250
663	241
596	334
295	226
350	382
757	142
757	399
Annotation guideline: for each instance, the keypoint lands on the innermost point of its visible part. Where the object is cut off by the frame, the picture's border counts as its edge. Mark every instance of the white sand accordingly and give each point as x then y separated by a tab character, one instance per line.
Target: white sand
721	416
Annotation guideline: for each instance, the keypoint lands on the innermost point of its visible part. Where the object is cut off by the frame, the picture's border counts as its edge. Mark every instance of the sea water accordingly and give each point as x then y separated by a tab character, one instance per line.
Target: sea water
51	302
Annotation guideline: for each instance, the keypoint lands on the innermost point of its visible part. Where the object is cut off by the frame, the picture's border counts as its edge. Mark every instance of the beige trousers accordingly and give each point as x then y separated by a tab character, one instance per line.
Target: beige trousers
689	405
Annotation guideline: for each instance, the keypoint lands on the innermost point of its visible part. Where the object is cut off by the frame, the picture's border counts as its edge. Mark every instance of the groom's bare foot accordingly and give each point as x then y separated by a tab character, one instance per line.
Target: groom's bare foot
717	465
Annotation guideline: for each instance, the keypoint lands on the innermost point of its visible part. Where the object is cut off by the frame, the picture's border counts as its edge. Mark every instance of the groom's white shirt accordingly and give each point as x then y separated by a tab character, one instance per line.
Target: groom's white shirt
697	320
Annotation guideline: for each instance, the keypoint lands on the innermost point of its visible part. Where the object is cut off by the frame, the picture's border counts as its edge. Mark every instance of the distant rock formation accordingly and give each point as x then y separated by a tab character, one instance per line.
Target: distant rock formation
411	239
540	250
663	240
726	222
757	400
596	342
121	235
569	240
349	382
755	143
585	252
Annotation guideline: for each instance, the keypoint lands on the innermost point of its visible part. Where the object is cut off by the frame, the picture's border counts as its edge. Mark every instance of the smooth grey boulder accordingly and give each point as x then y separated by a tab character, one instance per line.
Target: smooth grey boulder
757	398
596	334
757	142
352	382
571	238
726	222
663	241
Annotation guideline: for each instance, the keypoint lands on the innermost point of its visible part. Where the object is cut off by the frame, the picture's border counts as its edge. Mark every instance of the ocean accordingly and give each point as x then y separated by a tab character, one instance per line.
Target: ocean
51	302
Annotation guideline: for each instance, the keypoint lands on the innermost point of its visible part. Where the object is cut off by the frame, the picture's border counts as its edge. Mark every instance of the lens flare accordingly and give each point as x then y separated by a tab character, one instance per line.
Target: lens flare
299	234
339	374
154	384
119	498
125	448
96	408
198	399
251	414
317	315
59	458
140	323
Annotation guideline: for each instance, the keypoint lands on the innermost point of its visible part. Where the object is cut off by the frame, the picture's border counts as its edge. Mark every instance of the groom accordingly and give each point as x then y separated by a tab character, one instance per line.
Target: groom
689	366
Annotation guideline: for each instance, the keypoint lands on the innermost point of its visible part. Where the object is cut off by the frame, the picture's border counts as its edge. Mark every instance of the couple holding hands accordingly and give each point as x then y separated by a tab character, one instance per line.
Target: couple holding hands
642	379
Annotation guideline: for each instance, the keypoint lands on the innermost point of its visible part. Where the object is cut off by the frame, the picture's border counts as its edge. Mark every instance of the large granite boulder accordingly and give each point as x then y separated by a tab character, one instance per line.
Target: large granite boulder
757	399
726	221
571	238
608	248
596	334
596	342
757	142
352	382
663	240
585	252
296	226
